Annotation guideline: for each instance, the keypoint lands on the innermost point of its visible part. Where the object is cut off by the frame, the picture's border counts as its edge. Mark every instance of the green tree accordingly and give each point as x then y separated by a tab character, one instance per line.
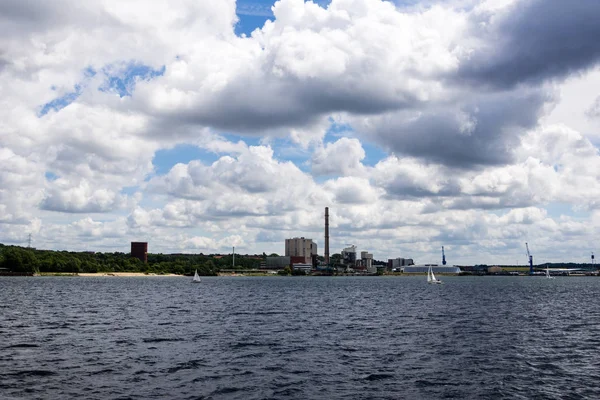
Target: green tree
286	271
18	259
335	259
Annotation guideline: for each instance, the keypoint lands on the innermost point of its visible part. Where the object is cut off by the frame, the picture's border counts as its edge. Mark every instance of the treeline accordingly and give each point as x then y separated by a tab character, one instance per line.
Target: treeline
26	260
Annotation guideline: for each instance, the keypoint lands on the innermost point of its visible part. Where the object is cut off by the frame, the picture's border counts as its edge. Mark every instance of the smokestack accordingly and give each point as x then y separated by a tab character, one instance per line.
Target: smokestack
327	236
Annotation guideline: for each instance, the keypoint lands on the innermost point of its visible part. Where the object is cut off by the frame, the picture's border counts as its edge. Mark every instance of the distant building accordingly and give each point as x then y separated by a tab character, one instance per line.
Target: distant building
139	250
398	263
279	262
349	256
306	268
301	247
437	269
367	262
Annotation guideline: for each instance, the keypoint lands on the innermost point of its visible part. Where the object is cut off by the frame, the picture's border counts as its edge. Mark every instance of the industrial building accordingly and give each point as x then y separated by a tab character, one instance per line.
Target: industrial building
306	268
139	250
437	269
366	259
301	249
398	263
349	256
278	262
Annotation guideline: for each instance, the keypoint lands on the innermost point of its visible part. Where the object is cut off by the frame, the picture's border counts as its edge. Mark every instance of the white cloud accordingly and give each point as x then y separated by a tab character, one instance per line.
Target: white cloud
62	196
352	190
342	157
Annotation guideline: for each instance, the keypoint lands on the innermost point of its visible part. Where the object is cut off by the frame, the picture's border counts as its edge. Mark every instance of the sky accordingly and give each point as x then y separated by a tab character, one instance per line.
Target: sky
200	125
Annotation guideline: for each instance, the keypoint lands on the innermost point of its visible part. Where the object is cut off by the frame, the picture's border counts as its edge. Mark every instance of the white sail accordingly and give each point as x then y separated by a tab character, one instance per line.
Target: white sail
431	277
196	276
548	273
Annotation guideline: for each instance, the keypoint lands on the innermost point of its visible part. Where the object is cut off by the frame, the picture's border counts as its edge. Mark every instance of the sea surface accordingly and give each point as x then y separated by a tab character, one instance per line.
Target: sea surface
299	338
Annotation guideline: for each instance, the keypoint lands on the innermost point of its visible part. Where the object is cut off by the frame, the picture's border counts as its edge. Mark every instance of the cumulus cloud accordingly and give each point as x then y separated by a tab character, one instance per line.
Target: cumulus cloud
20	187
459	94
253	171
63	197
342	157
407	177
352	190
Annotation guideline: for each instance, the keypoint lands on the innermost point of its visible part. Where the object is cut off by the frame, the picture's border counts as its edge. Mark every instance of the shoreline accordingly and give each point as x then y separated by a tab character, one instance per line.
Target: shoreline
107	274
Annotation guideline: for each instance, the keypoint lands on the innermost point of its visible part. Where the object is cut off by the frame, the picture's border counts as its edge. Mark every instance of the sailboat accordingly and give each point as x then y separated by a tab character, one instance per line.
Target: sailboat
548	273
431	277
196	277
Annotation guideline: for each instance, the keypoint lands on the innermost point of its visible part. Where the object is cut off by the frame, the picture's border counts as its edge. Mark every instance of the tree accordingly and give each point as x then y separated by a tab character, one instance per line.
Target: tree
286	271
73	265
335	259
18	259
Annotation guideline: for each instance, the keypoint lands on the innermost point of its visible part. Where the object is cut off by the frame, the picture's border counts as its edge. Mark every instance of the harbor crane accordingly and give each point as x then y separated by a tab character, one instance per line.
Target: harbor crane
443	256
530	258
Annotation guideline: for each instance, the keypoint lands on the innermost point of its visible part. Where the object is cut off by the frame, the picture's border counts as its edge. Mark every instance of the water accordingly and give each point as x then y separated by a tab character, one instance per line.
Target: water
299	338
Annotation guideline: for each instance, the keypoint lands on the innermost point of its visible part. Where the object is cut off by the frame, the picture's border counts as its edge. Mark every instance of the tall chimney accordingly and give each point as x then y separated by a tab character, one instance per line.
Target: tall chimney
327	236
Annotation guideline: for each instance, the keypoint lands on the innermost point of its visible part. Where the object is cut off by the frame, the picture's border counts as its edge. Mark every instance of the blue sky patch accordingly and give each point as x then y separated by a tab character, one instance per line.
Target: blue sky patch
253	14
373	154
50	176
60	102
248	23
129	190
556	210
124	83
165	159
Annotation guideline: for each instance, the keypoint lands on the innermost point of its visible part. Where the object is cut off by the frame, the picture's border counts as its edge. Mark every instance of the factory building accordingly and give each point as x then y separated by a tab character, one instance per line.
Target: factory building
302	250
437	269
139	250
349	256
279	262
398	263
367	262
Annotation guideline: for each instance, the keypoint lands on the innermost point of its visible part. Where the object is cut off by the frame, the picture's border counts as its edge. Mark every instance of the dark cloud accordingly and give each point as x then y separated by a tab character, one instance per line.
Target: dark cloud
25	10
482	131
27	16
23	17
535	41
255	104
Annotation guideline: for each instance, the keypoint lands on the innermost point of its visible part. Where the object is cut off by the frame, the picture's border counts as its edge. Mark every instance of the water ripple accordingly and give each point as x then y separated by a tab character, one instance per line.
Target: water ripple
299	338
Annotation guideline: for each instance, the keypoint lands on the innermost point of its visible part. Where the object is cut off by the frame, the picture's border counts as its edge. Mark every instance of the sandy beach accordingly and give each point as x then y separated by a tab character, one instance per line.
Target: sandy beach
123	274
